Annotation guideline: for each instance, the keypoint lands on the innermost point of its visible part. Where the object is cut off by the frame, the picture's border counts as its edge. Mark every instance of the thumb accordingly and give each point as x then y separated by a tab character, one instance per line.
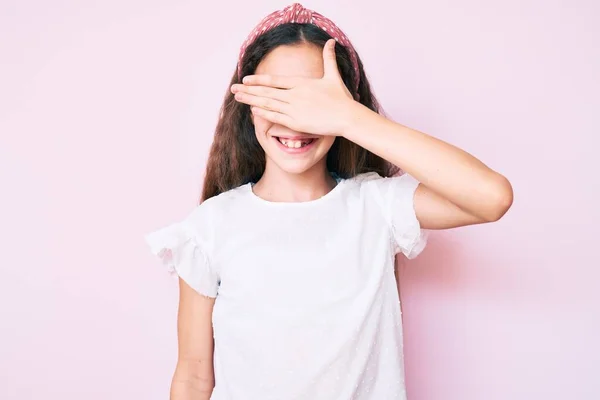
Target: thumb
330	67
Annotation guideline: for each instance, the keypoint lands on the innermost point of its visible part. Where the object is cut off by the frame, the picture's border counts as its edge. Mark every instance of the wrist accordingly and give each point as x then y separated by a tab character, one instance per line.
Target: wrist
355	116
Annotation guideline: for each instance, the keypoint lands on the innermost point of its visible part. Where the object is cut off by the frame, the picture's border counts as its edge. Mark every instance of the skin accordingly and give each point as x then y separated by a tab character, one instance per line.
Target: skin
297	90
456	188
194	376
300	177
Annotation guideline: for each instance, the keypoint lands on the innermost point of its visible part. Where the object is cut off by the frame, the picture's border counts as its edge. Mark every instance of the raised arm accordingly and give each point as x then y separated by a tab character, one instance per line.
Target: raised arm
456	188
194	375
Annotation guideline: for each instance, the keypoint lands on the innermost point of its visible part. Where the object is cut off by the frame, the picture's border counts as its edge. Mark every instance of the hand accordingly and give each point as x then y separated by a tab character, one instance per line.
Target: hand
317	106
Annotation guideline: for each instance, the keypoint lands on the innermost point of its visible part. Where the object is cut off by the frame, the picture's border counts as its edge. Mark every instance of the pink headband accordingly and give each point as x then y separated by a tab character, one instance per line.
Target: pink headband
296	13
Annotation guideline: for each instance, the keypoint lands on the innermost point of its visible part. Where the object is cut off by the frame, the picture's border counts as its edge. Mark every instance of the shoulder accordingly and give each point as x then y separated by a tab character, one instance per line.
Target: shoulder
362	181
361	188
364	178
214	210
373	187
224	201
201	227
374	181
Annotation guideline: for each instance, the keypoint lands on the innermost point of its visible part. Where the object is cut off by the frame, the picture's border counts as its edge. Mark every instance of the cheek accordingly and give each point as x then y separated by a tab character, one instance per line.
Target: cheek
261	127
327	142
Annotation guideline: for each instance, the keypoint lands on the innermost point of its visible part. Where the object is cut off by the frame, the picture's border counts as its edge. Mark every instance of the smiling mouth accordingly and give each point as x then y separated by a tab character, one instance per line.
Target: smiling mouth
295	143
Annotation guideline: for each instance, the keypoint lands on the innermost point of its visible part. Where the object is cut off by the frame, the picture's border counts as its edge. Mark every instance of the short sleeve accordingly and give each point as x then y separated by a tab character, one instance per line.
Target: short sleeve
396	198
181	250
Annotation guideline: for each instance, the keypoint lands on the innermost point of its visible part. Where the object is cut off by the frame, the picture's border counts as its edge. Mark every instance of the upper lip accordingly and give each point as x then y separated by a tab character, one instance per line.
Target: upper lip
296	137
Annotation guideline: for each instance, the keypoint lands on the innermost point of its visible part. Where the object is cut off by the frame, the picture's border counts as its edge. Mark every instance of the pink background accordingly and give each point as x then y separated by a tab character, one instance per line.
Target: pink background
106	114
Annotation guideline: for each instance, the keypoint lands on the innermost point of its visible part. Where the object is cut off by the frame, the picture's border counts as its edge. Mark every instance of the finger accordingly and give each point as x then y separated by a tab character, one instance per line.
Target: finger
330	67
262	91
274	81
261	102
273	116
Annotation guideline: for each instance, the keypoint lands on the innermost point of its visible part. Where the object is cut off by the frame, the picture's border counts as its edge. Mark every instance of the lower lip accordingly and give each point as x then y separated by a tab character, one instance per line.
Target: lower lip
295	150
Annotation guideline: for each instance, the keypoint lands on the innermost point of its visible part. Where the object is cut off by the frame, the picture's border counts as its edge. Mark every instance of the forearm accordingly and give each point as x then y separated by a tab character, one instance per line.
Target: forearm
194	375
449	171
192	382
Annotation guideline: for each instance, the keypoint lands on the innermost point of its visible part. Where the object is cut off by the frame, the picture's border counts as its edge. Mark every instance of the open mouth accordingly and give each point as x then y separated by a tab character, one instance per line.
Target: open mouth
295	143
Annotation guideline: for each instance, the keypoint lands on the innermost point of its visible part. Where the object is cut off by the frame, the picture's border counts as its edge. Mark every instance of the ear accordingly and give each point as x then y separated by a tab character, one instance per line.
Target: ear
330	67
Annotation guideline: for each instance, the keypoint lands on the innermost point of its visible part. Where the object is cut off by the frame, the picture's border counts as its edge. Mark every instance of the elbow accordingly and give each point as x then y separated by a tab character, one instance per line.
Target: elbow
194	376
499	199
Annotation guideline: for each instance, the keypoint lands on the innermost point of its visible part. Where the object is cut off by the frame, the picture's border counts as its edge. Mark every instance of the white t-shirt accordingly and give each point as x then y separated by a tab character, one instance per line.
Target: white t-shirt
306	300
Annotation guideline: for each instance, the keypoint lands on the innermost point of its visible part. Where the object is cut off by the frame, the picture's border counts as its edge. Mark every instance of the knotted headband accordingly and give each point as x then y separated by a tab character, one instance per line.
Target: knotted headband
296	13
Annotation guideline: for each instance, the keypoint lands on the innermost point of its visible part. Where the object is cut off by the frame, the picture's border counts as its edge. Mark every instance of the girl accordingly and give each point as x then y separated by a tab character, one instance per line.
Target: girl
287	287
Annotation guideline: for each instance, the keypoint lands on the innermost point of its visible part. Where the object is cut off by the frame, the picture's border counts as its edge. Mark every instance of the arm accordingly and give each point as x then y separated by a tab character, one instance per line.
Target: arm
456	188
194	378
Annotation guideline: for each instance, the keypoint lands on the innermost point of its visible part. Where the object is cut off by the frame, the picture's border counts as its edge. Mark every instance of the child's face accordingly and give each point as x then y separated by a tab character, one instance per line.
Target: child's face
285	148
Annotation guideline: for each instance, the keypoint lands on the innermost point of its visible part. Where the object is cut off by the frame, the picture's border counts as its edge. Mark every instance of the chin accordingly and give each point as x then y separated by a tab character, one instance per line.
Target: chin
294	168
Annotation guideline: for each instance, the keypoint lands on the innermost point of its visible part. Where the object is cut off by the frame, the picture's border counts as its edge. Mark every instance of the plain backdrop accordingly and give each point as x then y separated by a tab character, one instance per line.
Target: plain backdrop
107	110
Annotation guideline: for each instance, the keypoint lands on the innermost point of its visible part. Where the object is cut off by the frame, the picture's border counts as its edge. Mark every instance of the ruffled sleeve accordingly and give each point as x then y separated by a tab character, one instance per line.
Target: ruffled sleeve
181	250
396	199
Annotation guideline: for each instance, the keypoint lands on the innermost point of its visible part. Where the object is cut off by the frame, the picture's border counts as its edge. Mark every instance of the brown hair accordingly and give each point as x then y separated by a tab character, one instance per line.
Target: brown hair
236	157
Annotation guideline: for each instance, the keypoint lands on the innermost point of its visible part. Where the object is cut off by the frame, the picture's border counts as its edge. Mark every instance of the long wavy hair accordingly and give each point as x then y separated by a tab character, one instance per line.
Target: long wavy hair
236	157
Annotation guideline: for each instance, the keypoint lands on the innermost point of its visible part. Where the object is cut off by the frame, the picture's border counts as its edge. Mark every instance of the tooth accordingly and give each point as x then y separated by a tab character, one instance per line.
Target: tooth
297	144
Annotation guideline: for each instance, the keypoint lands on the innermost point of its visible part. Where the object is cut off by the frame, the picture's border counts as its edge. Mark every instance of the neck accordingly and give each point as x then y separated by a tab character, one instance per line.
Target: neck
281	186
